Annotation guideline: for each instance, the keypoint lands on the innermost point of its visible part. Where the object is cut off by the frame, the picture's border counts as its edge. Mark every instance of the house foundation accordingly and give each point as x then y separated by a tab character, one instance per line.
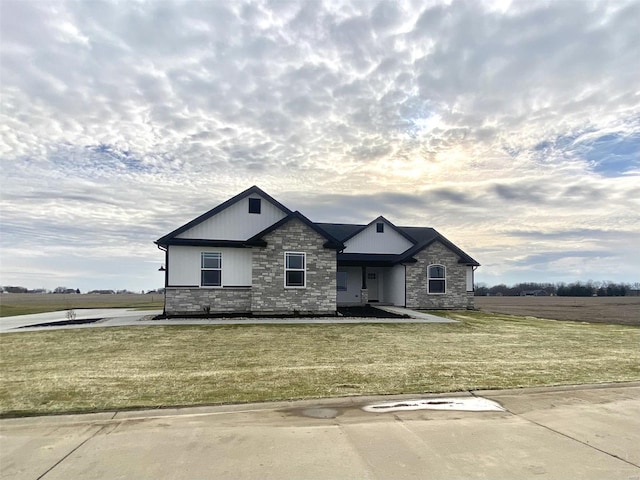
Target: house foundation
193	301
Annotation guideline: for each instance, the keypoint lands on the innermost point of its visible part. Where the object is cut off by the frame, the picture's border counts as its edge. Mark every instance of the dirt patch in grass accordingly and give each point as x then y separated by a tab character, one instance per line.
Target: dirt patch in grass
119	368
26	303
618	310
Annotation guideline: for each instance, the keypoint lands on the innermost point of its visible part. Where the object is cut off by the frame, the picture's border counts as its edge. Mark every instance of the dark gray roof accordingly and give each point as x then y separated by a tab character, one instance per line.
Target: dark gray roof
420	234
341	231
335	233
203	242
422	237
344	231
425	236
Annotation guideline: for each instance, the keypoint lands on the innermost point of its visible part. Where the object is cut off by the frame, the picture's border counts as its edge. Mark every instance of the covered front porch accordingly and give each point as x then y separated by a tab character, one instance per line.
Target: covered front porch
371	283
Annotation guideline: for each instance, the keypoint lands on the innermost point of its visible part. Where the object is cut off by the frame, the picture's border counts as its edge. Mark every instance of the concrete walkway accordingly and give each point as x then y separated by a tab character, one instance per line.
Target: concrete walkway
586	432
118	317
423	317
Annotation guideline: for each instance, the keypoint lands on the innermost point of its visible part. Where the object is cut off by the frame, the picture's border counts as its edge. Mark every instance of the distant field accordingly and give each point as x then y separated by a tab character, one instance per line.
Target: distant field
619	310
25	303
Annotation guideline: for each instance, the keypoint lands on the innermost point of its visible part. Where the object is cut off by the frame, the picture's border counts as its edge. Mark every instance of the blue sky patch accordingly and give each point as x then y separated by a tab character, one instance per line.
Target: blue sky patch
613	155
100	160
610	155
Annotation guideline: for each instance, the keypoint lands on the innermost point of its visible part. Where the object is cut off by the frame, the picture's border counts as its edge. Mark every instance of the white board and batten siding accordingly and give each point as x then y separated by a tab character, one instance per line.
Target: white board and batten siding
235	222
395	285
184	266
469	278
370	241
351	296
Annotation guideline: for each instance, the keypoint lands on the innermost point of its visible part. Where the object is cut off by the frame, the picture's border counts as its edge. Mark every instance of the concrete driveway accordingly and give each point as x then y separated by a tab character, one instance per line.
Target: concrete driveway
587	432
107	316
119	317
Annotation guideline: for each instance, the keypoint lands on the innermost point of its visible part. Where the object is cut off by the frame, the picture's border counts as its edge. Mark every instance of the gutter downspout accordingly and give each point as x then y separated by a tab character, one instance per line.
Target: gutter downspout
473	279
405	284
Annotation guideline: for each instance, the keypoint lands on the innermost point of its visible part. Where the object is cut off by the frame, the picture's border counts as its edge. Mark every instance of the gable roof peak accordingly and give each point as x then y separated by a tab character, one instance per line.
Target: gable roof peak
427	236
394	227
226	204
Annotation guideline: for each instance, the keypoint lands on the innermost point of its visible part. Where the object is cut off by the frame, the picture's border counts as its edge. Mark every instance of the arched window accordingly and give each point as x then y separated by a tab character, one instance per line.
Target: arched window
436	279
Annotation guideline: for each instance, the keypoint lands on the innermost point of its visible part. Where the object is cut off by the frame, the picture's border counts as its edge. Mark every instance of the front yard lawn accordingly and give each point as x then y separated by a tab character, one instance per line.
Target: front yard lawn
118	368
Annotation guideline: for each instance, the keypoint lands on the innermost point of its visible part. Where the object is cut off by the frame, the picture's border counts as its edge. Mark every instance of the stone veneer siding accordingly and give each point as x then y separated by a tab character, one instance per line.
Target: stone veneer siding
193	300
268	293
364	296
455	296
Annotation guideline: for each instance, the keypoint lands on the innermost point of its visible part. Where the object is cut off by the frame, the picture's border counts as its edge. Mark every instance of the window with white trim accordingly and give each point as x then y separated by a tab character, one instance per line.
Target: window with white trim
295	269
211	269
436	278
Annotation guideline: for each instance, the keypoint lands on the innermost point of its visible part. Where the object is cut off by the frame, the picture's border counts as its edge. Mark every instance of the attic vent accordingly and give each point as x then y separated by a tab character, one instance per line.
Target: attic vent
254	205
380	227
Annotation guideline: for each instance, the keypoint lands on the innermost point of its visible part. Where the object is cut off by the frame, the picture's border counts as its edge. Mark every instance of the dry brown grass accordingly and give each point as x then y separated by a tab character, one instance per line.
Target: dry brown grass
620	310
118	368
25	303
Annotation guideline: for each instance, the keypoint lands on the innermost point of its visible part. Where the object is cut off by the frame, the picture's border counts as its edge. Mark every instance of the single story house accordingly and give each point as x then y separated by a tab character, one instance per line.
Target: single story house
251	254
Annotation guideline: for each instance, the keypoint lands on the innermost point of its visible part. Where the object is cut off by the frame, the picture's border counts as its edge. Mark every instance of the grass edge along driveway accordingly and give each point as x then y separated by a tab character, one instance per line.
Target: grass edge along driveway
98	369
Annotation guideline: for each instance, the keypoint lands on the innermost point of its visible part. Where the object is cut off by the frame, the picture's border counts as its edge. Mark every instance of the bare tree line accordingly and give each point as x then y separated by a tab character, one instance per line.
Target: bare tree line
589	288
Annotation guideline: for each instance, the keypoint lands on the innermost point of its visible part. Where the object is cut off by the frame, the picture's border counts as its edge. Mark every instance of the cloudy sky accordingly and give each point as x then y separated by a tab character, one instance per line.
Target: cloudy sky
513	128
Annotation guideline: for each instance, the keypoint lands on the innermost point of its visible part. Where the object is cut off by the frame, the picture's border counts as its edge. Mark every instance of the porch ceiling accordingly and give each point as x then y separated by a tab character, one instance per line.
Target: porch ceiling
371	259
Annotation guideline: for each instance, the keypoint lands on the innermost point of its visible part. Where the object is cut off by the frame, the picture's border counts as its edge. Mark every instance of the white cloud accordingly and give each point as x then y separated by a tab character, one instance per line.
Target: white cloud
482	119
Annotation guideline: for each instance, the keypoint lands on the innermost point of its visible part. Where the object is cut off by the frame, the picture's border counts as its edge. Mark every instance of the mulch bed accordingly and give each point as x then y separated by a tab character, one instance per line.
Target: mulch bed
367	311
61	323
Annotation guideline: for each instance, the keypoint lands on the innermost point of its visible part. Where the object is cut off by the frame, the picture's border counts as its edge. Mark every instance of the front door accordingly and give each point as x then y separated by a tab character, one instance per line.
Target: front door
372	286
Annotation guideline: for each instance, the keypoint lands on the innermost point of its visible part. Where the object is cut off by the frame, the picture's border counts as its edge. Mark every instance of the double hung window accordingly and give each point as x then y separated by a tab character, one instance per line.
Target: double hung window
211	269
436	278
295	269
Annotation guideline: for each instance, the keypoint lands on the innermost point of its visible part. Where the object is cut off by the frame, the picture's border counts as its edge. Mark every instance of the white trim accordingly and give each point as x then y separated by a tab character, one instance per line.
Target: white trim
303	270
429	278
